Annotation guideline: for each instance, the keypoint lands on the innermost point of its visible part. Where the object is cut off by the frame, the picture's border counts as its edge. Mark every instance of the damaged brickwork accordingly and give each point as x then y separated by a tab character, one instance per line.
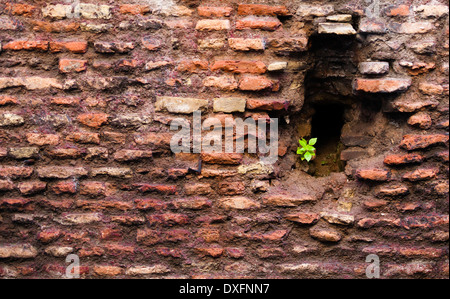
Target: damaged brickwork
88	90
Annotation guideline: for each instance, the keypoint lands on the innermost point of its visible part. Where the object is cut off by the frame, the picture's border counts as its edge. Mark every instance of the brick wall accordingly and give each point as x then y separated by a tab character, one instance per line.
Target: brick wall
88	90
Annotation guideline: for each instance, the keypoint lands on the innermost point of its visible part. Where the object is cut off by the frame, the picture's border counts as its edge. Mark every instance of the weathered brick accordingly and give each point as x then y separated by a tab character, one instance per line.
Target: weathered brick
421	174
94	120
282	200
72	65
10	119
385	85
414	142
377	175
268	23
77	47
23	153
221	82
222	158
134	9
262	10
403	159
213	25
246	44
229	105
210	11
303	217
26	45
420	119
239	67
20	9
113	172
336	28
325	235
374	67
257	83
84	137
131	155
31	187
24	251
267	105
180	105
192	66
15	172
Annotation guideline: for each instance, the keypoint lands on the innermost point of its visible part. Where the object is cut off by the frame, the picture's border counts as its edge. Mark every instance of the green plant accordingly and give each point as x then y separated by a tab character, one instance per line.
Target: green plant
306	150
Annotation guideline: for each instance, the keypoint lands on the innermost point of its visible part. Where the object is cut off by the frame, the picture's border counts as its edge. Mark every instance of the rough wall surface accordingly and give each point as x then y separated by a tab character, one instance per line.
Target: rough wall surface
88	90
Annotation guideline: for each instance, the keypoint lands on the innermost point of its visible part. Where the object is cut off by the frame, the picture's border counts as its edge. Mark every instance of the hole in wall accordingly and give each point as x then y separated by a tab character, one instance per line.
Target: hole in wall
327	123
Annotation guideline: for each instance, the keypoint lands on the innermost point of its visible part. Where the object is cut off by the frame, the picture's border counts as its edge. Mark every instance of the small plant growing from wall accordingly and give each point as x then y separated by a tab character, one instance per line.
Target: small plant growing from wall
306	150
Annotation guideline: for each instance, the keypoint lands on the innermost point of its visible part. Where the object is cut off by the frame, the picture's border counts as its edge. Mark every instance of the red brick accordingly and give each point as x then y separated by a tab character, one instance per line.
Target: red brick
385	85
6	185
148	237
15	204
239	67
168	219
64	153
66	101
163	189
210	251
231	188
131	155
72	65
420	119
150	204
397	11
267	105
325	235
169	252
15	172
151	44
31	187
101	270
421	174
303	218
424	221
414	142
431	89
110	234
84	137
8	100
262	10
258	83
209	11
378	175
198	189
192	66
134	9
177	235
26	45
222	158
403	159
94	120
49	235
373	204
20	9
77	47
55	27
268	24
64	187
42	139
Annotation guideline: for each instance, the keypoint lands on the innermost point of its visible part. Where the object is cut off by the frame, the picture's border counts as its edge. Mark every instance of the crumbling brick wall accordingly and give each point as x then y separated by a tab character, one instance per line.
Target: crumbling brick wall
88	90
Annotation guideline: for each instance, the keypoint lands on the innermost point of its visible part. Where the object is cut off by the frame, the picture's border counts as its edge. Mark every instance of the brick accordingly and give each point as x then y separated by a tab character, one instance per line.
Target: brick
213	43
258	83
8	100
267	24
55	27
30	83
246	44
229	105
421	174
31	187
336	28
424	47
417	68
238	203
22	251
162	189
168	219
77	47
151	44
64	187
57	11
213	25
413	142
325	235
397	11
59	251
374	204
385	85
20	9
180	105
403	159
84	137
377	175
374	67
267	105
120	172
198	189
192	66
79	218
222	158
303	218
93	120
214	252
394	190
60	172
23	153
64	153
210	11
262	10
372	26
228	83
239	67
424	221
431	89
101	270
415	28
7	23
72	65
115	47
49	235
6	185
344	18
15	172
10	119
131	155
432	11
26	45
314	10
193	204
147	270
42	139
231	188
134	9
420	119
339	219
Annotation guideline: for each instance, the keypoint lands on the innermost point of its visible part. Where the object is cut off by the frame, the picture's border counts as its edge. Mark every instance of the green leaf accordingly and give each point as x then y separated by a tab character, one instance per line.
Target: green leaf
309	148
308	156
299	151
312	141
303	142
